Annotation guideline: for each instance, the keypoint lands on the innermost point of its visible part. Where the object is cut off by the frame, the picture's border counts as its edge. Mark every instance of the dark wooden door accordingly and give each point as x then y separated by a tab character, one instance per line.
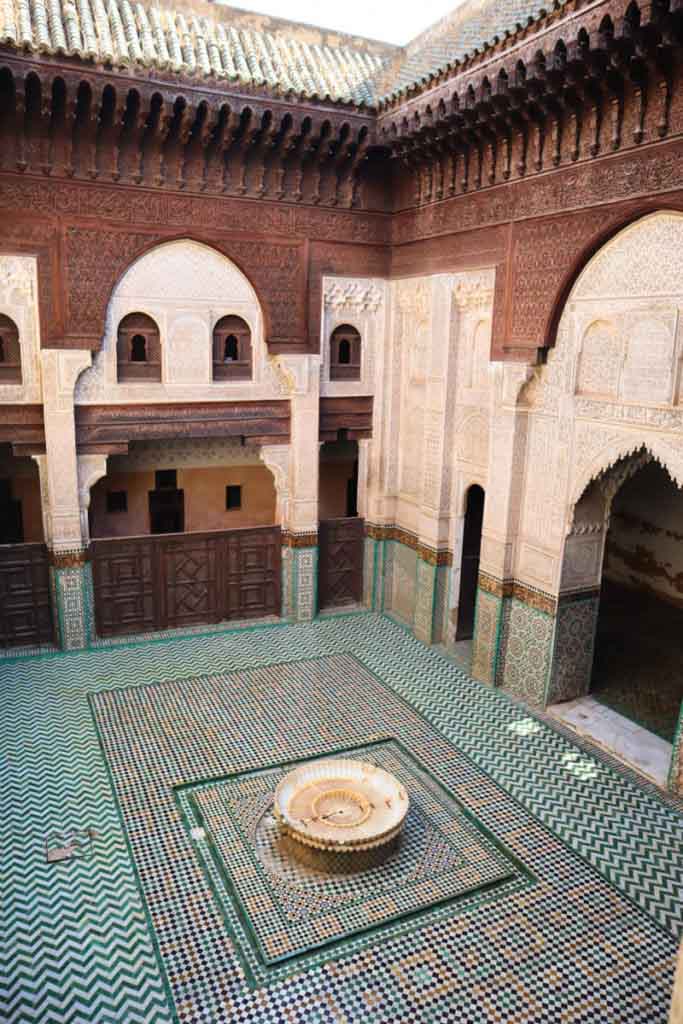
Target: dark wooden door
25	609
340	566
469	567
177	580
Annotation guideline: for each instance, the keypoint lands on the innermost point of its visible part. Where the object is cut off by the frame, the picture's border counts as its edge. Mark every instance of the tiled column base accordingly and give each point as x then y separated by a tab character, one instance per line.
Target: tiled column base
513	639
72	597
442	604
676	772
573	647
525	650
425	599
299	582
486	639
373	572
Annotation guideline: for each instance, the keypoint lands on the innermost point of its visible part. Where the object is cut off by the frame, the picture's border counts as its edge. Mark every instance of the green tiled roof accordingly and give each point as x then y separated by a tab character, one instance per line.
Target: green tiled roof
467	28
200	39
213	43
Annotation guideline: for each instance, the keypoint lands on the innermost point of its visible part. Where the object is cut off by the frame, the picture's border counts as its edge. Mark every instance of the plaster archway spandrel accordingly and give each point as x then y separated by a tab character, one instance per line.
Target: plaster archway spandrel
668	453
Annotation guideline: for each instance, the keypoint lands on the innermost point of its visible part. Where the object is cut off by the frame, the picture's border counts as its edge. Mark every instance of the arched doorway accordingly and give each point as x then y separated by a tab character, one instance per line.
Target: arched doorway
638	658
469	565
617	672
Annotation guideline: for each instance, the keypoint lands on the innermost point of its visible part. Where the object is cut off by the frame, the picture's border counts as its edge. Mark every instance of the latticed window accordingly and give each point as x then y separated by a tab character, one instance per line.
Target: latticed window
138	349
10	351
345	353
232	359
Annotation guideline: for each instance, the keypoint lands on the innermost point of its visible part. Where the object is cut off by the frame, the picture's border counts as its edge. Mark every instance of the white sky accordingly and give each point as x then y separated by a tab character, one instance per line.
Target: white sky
393	21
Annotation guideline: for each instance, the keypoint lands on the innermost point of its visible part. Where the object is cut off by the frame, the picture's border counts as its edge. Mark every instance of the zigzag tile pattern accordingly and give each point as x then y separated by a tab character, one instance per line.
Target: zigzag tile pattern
76	941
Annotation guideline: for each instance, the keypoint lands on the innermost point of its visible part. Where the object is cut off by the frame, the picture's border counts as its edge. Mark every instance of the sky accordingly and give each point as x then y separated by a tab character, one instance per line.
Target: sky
392	21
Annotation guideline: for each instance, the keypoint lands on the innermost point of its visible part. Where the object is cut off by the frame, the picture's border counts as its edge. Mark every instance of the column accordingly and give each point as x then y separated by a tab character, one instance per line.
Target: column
70	570
501	522
299	509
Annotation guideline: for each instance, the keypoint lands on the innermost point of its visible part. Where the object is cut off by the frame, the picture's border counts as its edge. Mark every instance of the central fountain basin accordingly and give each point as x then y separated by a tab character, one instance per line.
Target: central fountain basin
341	804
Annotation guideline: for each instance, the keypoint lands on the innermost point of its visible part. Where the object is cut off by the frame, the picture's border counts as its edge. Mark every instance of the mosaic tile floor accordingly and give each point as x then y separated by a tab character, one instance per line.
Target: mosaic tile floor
601	855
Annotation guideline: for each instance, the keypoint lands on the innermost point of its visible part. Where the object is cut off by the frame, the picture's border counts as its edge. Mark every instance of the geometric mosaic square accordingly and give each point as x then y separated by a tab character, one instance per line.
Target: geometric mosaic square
239	937
292	901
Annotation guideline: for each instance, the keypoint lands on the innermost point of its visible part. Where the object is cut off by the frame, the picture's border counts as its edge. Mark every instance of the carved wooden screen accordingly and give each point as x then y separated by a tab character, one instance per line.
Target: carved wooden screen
178	580
25	612
340	578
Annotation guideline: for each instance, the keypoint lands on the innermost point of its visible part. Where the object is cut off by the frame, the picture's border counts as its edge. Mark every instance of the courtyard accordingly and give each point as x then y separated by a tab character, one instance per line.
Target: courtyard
153	762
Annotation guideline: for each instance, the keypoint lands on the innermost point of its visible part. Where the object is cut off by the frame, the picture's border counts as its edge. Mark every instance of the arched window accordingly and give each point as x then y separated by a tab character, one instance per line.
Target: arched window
138	349
345	353
232	359
10	351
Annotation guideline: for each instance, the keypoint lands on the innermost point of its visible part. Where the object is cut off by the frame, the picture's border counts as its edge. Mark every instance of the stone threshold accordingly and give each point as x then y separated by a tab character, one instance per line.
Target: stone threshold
635	746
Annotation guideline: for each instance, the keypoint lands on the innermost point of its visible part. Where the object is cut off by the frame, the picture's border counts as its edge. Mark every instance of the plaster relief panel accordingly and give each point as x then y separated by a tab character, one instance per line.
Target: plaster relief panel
361	303
187	354
186	287
600	360
649	366
19	303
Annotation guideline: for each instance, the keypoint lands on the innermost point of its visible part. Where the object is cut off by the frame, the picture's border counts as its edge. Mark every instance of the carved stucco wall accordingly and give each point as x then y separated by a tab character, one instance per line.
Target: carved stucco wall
432	400
19	301
186	287
611	386
360	302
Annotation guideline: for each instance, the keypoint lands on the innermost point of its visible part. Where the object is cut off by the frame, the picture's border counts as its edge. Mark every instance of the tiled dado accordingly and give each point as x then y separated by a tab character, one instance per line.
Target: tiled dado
536	646
72	602
417	594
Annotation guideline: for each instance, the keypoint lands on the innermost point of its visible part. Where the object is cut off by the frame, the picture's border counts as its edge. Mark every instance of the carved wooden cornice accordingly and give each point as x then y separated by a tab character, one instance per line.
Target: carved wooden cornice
154	130
576	84
23	427
299	540
109	428
351	414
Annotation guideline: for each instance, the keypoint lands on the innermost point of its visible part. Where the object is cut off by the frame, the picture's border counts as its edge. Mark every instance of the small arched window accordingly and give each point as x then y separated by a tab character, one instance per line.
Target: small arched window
10	351
138	349
345	353
232	358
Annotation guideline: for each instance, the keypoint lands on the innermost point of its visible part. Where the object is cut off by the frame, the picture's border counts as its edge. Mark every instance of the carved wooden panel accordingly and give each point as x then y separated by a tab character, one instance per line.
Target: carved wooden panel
352	414
125	586
25	612
340	573
179	580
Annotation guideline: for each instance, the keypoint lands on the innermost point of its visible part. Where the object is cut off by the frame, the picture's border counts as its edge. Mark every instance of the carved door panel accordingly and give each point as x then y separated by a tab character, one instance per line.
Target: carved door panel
25	610
253	573
164	582
190	578
124	583
340	574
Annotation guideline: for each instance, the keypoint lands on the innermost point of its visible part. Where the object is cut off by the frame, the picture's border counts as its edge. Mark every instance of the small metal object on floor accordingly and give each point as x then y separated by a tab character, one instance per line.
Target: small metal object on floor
63	846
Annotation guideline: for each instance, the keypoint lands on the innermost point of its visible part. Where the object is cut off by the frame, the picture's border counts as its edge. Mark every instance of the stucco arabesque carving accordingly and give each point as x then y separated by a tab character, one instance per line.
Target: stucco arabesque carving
474	292
668	453
354	296
276	458
16	278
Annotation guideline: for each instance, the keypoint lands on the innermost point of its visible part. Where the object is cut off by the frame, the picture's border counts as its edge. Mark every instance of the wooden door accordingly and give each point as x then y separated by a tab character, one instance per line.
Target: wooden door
25	608
340	566
186	579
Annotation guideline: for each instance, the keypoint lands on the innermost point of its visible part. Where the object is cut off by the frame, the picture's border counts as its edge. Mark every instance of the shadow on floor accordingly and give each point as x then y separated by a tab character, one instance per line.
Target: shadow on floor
638	664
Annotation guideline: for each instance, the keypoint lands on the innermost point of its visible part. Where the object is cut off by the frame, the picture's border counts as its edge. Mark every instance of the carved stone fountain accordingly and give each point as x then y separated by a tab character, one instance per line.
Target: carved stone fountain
341	805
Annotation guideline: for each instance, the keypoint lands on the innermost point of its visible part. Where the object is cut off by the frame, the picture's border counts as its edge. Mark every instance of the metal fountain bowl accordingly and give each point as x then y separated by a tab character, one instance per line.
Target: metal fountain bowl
340	804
